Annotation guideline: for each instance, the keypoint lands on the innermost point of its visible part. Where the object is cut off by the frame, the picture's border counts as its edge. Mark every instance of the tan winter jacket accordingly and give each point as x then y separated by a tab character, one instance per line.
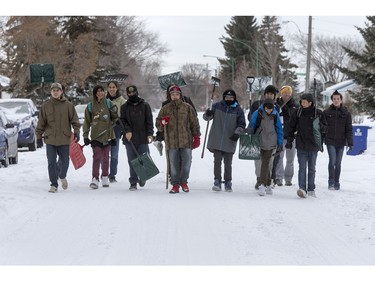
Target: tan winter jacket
182	127
56	119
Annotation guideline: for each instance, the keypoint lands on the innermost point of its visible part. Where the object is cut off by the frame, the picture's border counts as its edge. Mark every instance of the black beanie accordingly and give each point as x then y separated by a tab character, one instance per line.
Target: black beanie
230	93
308	97
271	89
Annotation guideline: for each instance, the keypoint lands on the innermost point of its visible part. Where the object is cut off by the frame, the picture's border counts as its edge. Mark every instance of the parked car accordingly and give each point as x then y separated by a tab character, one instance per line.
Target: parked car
80	108
24	114
8	141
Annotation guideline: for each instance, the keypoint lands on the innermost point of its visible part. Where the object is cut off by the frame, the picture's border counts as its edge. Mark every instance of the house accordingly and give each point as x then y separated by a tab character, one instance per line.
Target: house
342	88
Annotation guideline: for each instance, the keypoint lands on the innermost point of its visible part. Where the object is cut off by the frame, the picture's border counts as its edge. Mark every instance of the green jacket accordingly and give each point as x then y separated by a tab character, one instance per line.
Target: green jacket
183	124
56	119
99	122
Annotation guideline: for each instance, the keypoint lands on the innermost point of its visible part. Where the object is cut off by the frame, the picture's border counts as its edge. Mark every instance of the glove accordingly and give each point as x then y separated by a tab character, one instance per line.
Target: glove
39	143
289	145
249	131
165	120
279	148
128	136
150	139
209	113
76	137
159	147
196	142
87	141
234	137
350	148
113	142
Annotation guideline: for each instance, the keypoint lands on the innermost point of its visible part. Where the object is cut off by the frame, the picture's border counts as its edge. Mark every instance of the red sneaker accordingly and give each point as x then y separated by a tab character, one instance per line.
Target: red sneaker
175	189
185	187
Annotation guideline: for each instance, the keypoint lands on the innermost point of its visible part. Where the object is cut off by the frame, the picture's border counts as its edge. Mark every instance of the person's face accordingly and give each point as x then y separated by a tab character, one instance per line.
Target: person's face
100	94
336	100
306	103
175	95
269	95
286	95
228	98
112	89
56	93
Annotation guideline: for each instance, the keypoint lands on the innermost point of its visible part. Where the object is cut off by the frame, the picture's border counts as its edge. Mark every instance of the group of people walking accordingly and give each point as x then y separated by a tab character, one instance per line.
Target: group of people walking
286	128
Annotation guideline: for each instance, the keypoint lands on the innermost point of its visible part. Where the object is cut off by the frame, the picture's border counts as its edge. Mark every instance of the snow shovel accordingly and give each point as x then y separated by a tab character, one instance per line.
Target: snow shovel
143	165
76	153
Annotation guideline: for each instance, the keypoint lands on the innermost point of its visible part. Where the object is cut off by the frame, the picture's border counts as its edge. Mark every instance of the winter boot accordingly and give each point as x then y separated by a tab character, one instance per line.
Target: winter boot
228	186
52	189
112	179
301	193
64	183
262	190
269	190
175	189
185	187
278	182
217	185
133	187
288	183
105	182
94	183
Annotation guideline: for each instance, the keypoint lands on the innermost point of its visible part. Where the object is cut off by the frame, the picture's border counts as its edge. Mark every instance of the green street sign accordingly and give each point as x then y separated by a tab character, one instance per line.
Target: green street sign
42	73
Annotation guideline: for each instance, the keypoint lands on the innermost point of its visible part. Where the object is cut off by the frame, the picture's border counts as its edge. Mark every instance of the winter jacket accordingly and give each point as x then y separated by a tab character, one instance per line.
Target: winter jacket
339	126
286	111
99	122
225	121
300	127
184	99
182	127
269	127
56	119
136	118
118	100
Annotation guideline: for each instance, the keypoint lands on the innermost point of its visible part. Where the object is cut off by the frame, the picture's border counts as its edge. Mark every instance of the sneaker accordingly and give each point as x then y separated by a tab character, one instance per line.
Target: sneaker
133	187
175	189
311	193
142	183
217	185
278	182
112	179
301	193
64	183
269	190
185	187
105	182
288	183
228	186
94	183
52	189
262	190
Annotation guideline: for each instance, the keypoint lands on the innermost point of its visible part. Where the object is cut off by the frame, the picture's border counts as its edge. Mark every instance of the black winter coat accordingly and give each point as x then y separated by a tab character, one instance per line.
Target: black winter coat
339	131
286	112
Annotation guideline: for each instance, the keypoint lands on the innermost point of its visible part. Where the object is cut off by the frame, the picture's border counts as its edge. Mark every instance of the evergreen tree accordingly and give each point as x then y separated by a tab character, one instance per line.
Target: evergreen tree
364	71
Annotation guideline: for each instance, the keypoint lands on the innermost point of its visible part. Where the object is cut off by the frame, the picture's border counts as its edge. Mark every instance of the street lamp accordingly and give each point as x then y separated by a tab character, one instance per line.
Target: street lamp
231	64
255	52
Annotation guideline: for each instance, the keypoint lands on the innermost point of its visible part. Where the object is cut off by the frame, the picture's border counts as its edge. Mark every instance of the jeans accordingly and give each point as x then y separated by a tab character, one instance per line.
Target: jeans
57	169
114	159
335	154
180	163
141	148
306	161
287	172
218	158
100	158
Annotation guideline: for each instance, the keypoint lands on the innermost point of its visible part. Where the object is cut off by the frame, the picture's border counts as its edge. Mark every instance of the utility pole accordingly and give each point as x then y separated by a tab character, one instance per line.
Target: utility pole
308	61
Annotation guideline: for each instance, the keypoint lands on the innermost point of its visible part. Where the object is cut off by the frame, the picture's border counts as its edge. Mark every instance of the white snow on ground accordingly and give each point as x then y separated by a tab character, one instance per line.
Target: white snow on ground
115	226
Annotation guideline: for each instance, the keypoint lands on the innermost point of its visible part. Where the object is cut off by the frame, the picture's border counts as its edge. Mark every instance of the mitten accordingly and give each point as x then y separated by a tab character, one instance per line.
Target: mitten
39	143
76	137
196	141
86	141
209	113
165	120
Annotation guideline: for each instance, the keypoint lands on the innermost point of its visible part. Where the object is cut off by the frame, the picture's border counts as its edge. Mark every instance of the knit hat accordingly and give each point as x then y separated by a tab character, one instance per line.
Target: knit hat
271	89
308	97
286	88
268	103
229	93
174	88
131	89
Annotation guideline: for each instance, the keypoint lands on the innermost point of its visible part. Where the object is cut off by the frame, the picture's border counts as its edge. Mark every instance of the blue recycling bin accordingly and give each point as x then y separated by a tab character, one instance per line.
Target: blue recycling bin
359	139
